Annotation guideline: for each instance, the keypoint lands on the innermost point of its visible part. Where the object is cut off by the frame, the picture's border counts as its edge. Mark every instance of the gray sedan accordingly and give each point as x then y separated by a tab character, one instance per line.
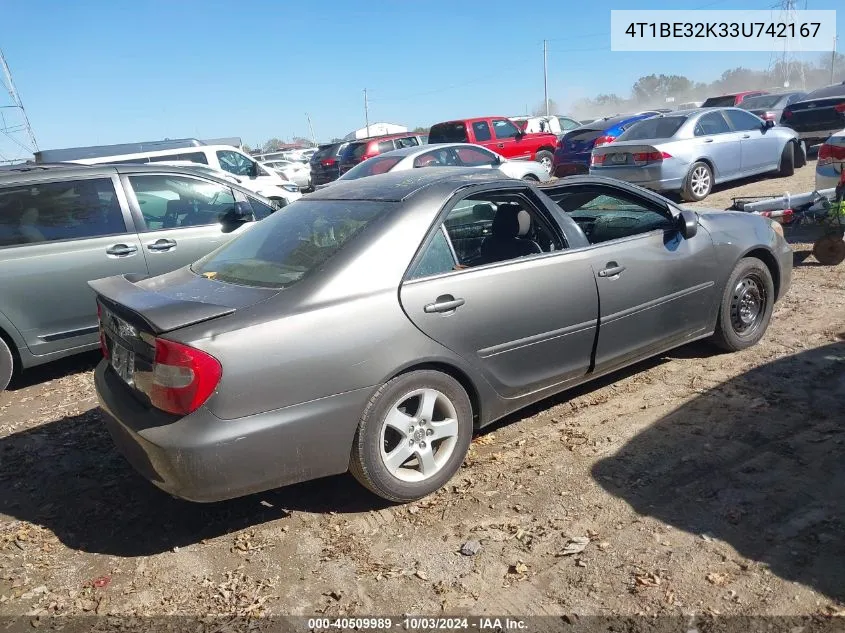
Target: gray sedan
691	151
446	155
375	324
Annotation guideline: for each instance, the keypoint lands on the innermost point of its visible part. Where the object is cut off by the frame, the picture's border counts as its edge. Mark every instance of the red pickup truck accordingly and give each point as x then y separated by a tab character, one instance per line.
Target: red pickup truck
498	134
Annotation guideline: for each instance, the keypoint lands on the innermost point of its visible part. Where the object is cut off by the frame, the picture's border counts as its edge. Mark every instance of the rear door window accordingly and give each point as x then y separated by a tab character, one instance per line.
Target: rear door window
711	123
170	201
475	157
481	131
52	211
442	157
408	141
385	146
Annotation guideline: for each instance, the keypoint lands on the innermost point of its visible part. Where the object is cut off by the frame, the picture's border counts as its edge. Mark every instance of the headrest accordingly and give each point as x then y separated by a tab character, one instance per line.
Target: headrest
511	221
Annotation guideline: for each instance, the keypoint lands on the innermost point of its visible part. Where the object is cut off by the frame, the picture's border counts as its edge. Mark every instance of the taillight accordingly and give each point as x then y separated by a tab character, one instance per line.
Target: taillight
831	154
604	140
183	377
840	108
103	346
328	162
597	159
650	157
768	116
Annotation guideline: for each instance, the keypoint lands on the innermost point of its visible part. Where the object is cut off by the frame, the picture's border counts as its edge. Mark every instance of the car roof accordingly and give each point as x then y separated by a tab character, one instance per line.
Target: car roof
422	149
382	137
396	186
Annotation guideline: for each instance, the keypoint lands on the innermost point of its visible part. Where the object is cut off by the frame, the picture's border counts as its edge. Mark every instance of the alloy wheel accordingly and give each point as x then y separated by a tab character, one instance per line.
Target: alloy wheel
700	181
419	435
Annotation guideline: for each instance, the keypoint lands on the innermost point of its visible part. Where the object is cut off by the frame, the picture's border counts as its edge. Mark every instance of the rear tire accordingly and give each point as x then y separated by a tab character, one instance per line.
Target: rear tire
530	178
7	364
404	450
746	307
699	182
545	158
800	155
787	161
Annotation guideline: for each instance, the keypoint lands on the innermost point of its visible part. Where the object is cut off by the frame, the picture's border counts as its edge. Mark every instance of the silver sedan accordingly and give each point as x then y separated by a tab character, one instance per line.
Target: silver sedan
691	151
446	155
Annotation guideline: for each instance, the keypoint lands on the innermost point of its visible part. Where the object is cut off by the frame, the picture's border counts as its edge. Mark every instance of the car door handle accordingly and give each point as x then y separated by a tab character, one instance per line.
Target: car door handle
121	250
612	270
500	145
161	245
708	140
746	136
444	303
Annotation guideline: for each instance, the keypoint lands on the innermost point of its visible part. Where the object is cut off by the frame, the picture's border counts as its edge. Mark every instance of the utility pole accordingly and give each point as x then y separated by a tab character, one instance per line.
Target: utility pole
546	77
366	112
311	127
833	59
16	100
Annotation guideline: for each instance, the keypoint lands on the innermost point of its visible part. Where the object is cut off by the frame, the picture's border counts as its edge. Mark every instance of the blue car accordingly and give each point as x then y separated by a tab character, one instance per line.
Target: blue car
572	155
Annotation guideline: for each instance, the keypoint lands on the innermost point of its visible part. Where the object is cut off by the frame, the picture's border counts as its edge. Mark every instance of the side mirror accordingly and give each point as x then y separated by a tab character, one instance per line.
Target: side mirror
240	213
768	123
687	223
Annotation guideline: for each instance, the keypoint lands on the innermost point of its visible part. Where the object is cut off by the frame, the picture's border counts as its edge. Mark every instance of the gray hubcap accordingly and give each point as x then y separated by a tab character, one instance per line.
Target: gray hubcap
419	435
748	304
700	181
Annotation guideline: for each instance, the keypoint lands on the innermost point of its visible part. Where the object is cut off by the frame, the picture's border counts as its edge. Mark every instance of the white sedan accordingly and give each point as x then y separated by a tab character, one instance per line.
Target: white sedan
446	155
300	173
831	161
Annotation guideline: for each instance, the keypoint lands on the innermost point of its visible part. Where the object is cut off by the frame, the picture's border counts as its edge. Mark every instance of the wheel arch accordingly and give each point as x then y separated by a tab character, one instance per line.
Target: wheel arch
458	374
768	258
545	148
10	343
709	162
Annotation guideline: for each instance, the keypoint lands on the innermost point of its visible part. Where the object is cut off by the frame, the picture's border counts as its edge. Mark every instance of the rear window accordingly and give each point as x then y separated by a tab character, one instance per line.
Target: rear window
761	101
448	133
661	127
354	152
371	167
327	151
719	102
291	244
830	91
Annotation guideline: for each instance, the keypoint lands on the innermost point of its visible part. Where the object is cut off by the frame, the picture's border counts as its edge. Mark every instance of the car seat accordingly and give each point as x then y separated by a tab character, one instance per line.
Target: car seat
511	224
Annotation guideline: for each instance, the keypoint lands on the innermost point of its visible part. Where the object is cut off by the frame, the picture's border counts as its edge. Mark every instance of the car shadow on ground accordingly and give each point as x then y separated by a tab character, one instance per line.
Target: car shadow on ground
758	462
57	369
68	477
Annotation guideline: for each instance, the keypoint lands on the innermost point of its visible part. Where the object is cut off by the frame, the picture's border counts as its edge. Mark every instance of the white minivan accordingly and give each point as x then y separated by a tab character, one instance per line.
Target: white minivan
250	173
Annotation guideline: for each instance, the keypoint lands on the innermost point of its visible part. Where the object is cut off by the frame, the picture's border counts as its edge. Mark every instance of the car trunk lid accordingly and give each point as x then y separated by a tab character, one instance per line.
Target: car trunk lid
134	310
816	114
630	154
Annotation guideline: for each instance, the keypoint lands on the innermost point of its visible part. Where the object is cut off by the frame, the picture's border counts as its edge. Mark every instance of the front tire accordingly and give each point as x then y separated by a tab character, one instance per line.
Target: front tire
546	159
746	307
413	436
530	178
7	365
787	161
698	183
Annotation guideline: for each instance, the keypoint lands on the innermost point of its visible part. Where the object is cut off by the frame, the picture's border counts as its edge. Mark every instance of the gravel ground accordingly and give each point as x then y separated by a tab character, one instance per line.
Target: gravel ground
695	482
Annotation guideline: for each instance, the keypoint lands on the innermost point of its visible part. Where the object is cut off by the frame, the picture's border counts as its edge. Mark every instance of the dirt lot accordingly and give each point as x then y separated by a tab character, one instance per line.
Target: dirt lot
696	482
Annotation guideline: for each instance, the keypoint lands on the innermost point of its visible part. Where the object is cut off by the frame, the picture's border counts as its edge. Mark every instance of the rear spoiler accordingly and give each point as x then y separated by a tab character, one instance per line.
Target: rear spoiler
159	312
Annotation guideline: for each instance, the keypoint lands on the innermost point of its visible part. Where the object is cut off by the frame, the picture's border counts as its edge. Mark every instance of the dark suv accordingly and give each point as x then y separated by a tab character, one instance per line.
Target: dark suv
359	151
325	163
62	226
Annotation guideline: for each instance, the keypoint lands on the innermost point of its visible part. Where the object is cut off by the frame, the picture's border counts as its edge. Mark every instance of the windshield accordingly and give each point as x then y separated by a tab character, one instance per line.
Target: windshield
371	167
290	243
761	101
661	127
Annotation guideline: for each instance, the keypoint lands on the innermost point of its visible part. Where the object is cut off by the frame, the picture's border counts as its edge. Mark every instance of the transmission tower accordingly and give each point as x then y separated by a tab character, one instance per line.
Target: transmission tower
13	120
784	65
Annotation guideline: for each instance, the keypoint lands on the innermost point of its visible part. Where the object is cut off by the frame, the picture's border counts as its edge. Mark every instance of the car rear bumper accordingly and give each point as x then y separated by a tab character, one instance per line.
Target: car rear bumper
827	176
655	178
203	458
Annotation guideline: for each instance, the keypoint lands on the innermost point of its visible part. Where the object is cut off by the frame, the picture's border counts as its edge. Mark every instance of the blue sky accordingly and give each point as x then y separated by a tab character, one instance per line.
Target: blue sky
114	71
